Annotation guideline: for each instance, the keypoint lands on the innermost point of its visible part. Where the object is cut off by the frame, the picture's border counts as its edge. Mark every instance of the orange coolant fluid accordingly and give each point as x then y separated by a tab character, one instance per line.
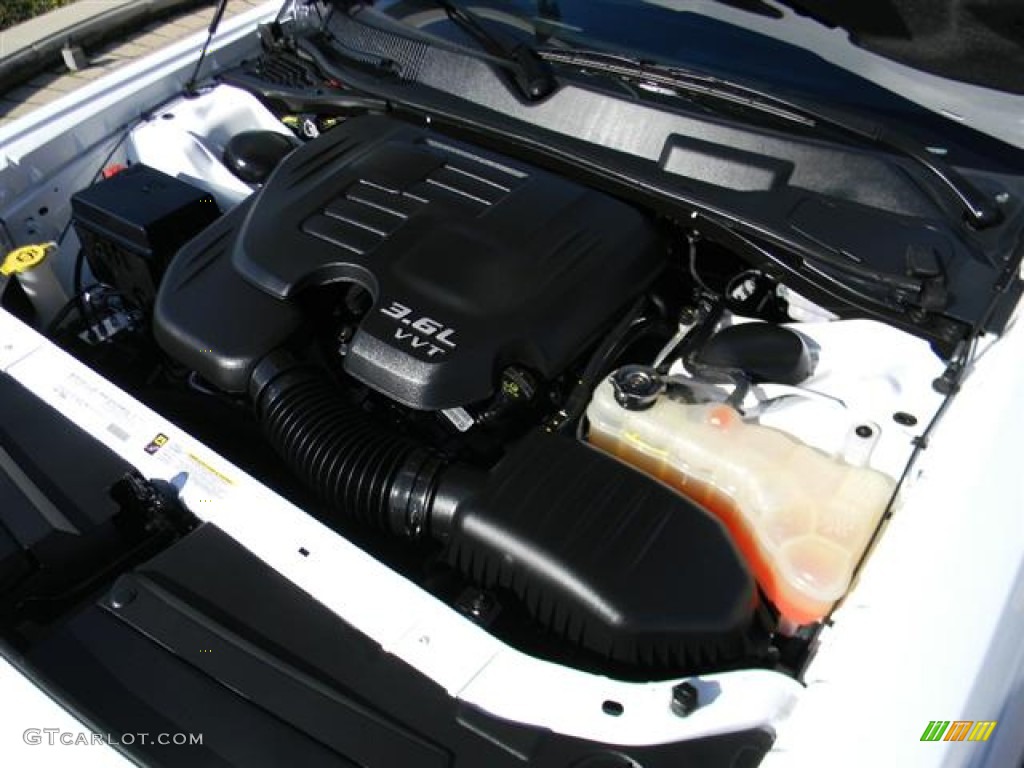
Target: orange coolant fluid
801	518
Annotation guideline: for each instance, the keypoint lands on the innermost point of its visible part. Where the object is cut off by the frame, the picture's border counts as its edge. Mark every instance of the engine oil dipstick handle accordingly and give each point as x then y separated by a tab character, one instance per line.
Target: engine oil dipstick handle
696	325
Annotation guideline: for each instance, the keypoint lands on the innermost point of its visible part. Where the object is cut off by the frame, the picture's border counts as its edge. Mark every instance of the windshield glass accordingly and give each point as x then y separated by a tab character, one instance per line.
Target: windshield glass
667	32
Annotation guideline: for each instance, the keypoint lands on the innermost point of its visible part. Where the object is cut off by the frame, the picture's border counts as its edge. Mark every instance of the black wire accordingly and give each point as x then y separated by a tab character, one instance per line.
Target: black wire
691	240
65	310
469	23
76	284
603	356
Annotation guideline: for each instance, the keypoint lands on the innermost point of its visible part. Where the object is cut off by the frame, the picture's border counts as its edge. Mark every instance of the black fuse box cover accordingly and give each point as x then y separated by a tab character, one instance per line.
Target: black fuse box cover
131	224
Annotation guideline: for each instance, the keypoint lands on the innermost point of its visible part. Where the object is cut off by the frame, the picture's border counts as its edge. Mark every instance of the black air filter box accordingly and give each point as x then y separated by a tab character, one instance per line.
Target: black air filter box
131	224
606	557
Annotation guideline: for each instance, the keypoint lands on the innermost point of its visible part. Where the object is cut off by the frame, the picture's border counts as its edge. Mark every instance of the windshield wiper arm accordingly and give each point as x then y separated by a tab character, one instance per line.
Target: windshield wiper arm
980	210
530	73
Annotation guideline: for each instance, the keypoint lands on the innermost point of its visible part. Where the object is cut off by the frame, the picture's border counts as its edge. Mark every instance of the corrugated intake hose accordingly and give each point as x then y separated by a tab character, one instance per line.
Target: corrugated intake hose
357	466
597	552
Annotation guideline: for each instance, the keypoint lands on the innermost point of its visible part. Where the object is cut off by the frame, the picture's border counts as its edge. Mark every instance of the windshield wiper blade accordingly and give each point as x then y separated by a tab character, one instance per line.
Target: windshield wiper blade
530	73
980	210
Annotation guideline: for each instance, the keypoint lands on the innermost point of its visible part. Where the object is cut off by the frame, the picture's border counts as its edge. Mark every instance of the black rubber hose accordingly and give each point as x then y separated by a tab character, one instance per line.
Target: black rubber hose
357	466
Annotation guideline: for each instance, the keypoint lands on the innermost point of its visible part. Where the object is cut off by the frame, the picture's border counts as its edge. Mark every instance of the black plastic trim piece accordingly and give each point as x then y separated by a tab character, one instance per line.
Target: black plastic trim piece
214	641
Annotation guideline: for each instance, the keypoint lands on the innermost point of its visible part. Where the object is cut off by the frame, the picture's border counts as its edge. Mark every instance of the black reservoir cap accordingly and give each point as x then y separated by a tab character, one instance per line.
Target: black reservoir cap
253	155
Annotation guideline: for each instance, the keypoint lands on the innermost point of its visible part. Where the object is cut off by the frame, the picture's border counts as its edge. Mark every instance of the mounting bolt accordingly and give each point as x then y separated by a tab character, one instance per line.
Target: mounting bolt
684	699
688	316
121	596
478	605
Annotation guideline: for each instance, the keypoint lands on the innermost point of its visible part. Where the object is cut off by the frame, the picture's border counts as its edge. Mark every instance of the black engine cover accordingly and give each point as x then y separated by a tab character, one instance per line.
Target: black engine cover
474	261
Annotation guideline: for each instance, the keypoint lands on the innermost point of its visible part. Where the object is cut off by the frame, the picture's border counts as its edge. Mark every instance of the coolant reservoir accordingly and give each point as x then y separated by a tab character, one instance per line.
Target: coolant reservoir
801	518
35	272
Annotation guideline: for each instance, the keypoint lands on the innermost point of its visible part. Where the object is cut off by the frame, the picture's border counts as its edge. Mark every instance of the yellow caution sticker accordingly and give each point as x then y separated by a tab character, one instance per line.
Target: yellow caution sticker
25	258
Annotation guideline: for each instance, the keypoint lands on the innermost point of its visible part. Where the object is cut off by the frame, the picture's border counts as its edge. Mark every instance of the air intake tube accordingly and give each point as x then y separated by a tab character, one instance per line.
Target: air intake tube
597	552
358	467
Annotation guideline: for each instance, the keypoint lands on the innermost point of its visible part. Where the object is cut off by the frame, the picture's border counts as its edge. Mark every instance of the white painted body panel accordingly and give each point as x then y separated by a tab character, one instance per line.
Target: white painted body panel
187	138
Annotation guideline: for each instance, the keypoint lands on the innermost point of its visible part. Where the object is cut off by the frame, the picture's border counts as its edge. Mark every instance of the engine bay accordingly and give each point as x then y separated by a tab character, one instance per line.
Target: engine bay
593	429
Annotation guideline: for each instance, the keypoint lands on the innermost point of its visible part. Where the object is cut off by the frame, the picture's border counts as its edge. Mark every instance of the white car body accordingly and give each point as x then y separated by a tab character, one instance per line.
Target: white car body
932	629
